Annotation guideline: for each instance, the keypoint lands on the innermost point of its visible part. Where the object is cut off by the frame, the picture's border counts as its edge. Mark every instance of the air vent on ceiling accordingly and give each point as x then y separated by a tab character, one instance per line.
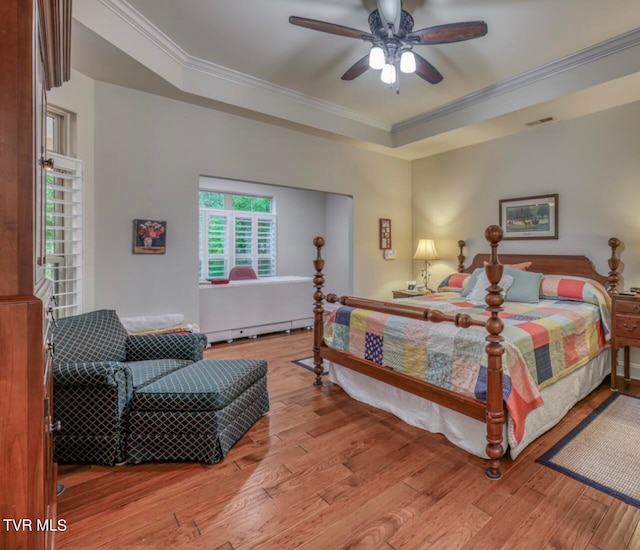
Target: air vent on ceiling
540	121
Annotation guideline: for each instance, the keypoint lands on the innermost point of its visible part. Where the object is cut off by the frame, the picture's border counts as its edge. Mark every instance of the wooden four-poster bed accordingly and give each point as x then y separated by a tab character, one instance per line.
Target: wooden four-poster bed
487	407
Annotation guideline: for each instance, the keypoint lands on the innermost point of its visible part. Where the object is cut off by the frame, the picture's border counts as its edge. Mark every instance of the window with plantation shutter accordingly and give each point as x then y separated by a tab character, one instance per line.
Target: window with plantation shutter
236	230
244	237
63	241
266	247
214	242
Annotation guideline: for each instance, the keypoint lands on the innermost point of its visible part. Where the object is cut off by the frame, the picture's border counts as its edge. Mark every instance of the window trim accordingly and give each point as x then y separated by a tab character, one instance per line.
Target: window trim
61	139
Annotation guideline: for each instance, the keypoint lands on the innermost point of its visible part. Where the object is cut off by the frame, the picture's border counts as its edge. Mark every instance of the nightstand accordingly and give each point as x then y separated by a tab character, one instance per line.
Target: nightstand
625	331
408	293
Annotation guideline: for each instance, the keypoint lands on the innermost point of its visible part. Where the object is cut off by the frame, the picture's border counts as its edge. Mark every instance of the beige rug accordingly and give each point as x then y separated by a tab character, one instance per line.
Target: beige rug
602	451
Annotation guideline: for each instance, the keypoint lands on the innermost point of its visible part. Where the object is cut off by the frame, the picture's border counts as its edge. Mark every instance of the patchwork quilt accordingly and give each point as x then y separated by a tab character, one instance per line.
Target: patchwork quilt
543	342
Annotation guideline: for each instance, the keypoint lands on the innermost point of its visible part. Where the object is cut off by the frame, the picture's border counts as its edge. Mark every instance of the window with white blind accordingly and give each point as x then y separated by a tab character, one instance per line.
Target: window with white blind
236	230
63	252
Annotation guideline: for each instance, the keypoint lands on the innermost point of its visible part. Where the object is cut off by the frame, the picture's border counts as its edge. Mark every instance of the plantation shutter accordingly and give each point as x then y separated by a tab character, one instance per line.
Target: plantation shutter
63	252
216	245
266	253
244	232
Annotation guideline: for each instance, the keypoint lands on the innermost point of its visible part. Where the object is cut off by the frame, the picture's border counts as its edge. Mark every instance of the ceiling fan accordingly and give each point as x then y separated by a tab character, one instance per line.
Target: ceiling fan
393	39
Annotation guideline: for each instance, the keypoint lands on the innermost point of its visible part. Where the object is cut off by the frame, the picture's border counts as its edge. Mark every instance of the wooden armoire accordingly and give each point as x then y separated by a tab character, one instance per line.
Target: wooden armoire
34	45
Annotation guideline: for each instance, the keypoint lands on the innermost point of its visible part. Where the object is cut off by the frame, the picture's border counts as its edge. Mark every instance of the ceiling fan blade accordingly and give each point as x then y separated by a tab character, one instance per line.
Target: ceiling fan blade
357	69
426	70
452	32
390	12
331	28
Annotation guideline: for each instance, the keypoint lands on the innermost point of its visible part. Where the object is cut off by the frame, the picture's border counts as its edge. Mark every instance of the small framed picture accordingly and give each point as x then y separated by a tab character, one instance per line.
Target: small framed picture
385	233
149	237
530	217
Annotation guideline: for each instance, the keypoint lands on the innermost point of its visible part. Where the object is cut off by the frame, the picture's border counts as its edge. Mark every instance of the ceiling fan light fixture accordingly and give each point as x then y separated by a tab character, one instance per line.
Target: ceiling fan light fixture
388	75
376	58
408	62
392	38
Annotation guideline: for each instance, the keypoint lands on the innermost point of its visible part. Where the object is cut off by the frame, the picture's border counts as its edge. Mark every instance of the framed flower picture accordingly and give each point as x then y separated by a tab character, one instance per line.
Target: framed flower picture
149	237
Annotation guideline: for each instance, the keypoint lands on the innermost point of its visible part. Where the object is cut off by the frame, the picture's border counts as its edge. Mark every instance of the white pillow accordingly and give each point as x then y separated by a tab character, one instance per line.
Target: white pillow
479	291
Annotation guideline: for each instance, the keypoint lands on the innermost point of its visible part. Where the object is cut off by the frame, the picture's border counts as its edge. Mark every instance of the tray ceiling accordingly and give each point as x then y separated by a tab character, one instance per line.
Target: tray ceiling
245	57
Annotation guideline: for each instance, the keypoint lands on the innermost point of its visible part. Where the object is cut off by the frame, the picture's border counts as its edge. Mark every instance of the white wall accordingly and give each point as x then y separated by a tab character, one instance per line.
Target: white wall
592	162
338	249
151	151
149	154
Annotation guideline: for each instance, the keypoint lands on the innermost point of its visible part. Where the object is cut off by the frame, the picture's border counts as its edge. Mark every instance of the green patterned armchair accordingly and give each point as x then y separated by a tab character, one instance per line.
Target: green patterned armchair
97	366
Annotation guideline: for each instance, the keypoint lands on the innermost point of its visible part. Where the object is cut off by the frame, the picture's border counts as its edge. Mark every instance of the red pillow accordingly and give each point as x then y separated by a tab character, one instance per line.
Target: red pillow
454	282
218	281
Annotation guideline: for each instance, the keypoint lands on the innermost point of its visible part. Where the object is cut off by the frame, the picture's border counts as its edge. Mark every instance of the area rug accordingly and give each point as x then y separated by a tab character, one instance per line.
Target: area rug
602	451
307	363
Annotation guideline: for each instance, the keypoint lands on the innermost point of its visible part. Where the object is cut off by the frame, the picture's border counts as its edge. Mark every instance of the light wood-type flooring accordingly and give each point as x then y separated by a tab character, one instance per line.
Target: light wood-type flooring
323	471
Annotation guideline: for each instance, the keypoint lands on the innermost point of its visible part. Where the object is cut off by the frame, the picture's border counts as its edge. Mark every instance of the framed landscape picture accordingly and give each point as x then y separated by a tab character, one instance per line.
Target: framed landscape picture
149	237
530	217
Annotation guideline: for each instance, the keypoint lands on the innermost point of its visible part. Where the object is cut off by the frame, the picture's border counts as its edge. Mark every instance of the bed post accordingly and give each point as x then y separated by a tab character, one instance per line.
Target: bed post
318	311
461	245
614	263
495	407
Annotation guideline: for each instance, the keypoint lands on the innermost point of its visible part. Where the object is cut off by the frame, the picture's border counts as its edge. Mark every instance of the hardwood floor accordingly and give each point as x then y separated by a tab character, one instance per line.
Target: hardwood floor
324	471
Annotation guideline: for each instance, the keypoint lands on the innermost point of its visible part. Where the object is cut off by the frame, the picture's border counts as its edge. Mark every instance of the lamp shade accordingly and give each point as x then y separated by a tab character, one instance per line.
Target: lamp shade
388	74
426	250
408	62
377	59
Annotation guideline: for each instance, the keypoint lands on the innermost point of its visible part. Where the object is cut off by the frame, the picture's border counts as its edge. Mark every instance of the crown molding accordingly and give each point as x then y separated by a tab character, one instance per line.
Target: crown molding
598	51
143	26
155	36
282	97
218	71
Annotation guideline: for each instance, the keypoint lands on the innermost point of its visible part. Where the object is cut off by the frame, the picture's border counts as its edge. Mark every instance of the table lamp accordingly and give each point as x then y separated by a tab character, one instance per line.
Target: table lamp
426	251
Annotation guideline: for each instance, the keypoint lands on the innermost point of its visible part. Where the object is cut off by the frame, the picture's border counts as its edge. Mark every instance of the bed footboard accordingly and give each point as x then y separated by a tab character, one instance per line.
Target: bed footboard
492	411
495	406
318	311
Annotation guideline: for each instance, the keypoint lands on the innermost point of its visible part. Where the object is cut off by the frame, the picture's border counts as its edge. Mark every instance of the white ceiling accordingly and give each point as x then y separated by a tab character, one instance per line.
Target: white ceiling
560	58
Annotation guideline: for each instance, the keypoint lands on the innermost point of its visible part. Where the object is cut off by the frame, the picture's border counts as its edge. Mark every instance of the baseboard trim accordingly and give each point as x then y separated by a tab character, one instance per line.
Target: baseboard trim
634	370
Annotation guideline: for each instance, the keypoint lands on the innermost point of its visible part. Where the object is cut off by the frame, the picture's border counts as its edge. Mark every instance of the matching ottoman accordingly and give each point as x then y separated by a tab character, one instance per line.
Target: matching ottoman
198	412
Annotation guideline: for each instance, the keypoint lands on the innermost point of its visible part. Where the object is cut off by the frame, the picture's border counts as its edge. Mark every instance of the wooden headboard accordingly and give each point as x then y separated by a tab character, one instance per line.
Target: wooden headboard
554	264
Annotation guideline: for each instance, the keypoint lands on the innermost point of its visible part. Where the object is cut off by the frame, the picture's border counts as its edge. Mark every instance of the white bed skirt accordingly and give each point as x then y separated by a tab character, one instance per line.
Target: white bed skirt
465	432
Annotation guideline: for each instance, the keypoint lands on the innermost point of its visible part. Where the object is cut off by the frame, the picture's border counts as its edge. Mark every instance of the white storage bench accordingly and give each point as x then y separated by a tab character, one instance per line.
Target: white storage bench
245	309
